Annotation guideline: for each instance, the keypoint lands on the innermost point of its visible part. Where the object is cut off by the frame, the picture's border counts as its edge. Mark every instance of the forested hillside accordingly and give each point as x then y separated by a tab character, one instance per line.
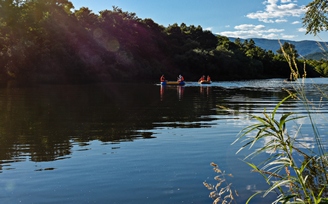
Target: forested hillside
323	55
304	47
47	41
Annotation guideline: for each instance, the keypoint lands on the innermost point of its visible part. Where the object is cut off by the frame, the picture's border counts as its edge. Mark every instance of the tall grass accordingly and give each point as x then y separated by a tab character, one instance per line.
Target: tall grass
296	173
222	191
294	180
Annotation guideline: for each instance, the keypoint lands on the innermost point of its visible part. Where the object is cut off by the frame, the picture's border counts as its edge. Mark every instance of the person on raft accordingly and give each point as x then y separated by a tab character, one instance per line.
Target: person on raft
180	78
162	79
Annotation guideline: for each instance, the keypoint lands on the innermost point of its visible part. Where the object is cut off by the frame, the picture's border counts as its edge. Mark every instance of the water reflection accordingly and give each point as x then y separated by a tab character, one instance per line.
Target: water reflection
179	91
161	92
87	132
40	122
204	90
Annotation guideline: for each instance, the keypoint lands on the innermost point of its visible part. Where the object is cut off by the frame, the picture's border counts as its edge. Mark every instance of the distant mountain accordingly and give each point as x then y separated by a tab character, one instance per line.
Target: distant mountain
304	48
317	56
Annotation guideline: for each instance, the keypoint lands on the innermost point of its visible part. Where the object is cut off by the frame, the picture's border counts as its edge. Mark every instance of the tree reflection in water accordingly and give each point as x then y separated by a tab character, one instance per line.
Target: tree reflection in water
40	121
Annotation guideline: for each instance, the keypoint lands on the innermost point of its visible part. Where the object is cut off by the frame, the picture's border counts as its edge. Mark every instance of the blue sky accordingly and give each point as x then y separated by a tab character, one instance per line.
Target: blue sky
271	19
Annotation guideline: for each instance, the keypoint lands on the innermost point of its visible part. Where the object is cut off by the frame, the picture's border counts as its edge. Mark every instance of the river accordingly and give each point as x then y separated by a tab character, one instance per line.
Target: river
136	143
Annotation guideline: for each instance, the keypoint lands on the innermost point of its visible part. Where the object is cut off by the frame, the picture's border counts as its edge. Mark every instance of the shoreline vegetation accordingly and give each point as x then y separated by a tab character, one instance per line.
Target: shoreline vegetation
49	42
293	171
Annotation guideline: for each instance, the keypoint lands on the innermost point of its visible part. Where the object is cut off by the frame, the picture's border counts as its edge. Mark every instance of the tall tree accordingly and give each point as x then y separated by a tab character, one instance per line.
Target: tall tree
289	49
86	18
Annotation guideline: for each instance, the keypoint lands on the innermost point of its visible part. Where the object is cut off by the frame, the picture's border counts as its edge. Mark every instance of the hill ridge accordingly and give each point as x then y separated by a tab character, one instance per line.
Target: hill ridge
303	47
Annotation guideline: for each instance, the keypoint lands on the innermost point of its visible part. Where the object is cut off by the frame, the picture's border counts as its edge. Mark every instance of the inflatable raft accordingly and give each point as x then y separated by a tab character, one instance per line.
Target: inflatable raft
204	82
181	83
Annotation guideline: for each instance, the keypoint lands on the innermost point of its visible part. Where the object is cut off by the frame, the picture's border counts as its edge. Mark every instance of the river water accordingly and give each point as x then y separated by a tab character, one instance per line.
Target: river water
137	143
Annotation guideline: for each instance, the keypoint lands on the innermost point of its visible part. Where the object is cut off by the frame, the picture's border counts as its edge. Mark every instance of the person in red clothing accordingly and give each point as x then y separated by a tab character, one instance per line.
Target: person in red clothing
208	78
201	78
162	79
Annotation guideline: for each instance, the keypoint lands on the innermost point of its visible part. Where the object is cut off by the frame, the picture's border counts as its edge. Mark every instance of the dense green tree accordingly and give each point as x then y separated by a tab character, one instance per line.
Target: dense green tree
320	67
46	41
86	18
289	49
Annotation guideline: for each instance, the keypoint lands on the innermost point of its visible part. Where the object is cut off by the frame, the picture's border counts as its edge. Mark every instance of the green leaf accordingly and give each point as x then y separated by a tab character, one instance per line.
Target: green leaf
276	185
279	104
249	199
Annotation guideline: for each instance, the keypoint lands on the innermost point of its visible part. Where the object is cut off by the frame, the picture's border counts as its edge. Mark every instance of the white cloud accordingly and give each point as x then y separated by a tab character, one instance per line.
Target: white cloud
209	28
274	30
284	36
271	36
240	34
249	27
302	30
275	11
253	31
280	21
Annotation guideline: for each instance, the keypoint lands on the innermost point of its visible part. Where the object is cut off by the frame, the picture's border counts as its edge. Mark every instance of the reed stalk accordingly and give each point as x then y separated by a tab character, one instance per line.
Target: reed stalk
294	180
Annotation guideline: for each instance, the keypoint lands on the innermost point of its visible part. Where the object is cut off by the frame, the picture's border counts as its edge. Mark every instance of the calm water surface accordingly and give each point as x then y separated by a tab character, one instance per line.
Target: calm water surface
135	143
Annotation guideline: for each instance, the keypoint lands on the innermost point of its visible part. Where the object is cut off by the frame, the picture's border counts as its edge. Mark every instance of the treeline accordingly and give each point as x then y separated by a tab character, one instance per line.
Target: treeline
46	41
